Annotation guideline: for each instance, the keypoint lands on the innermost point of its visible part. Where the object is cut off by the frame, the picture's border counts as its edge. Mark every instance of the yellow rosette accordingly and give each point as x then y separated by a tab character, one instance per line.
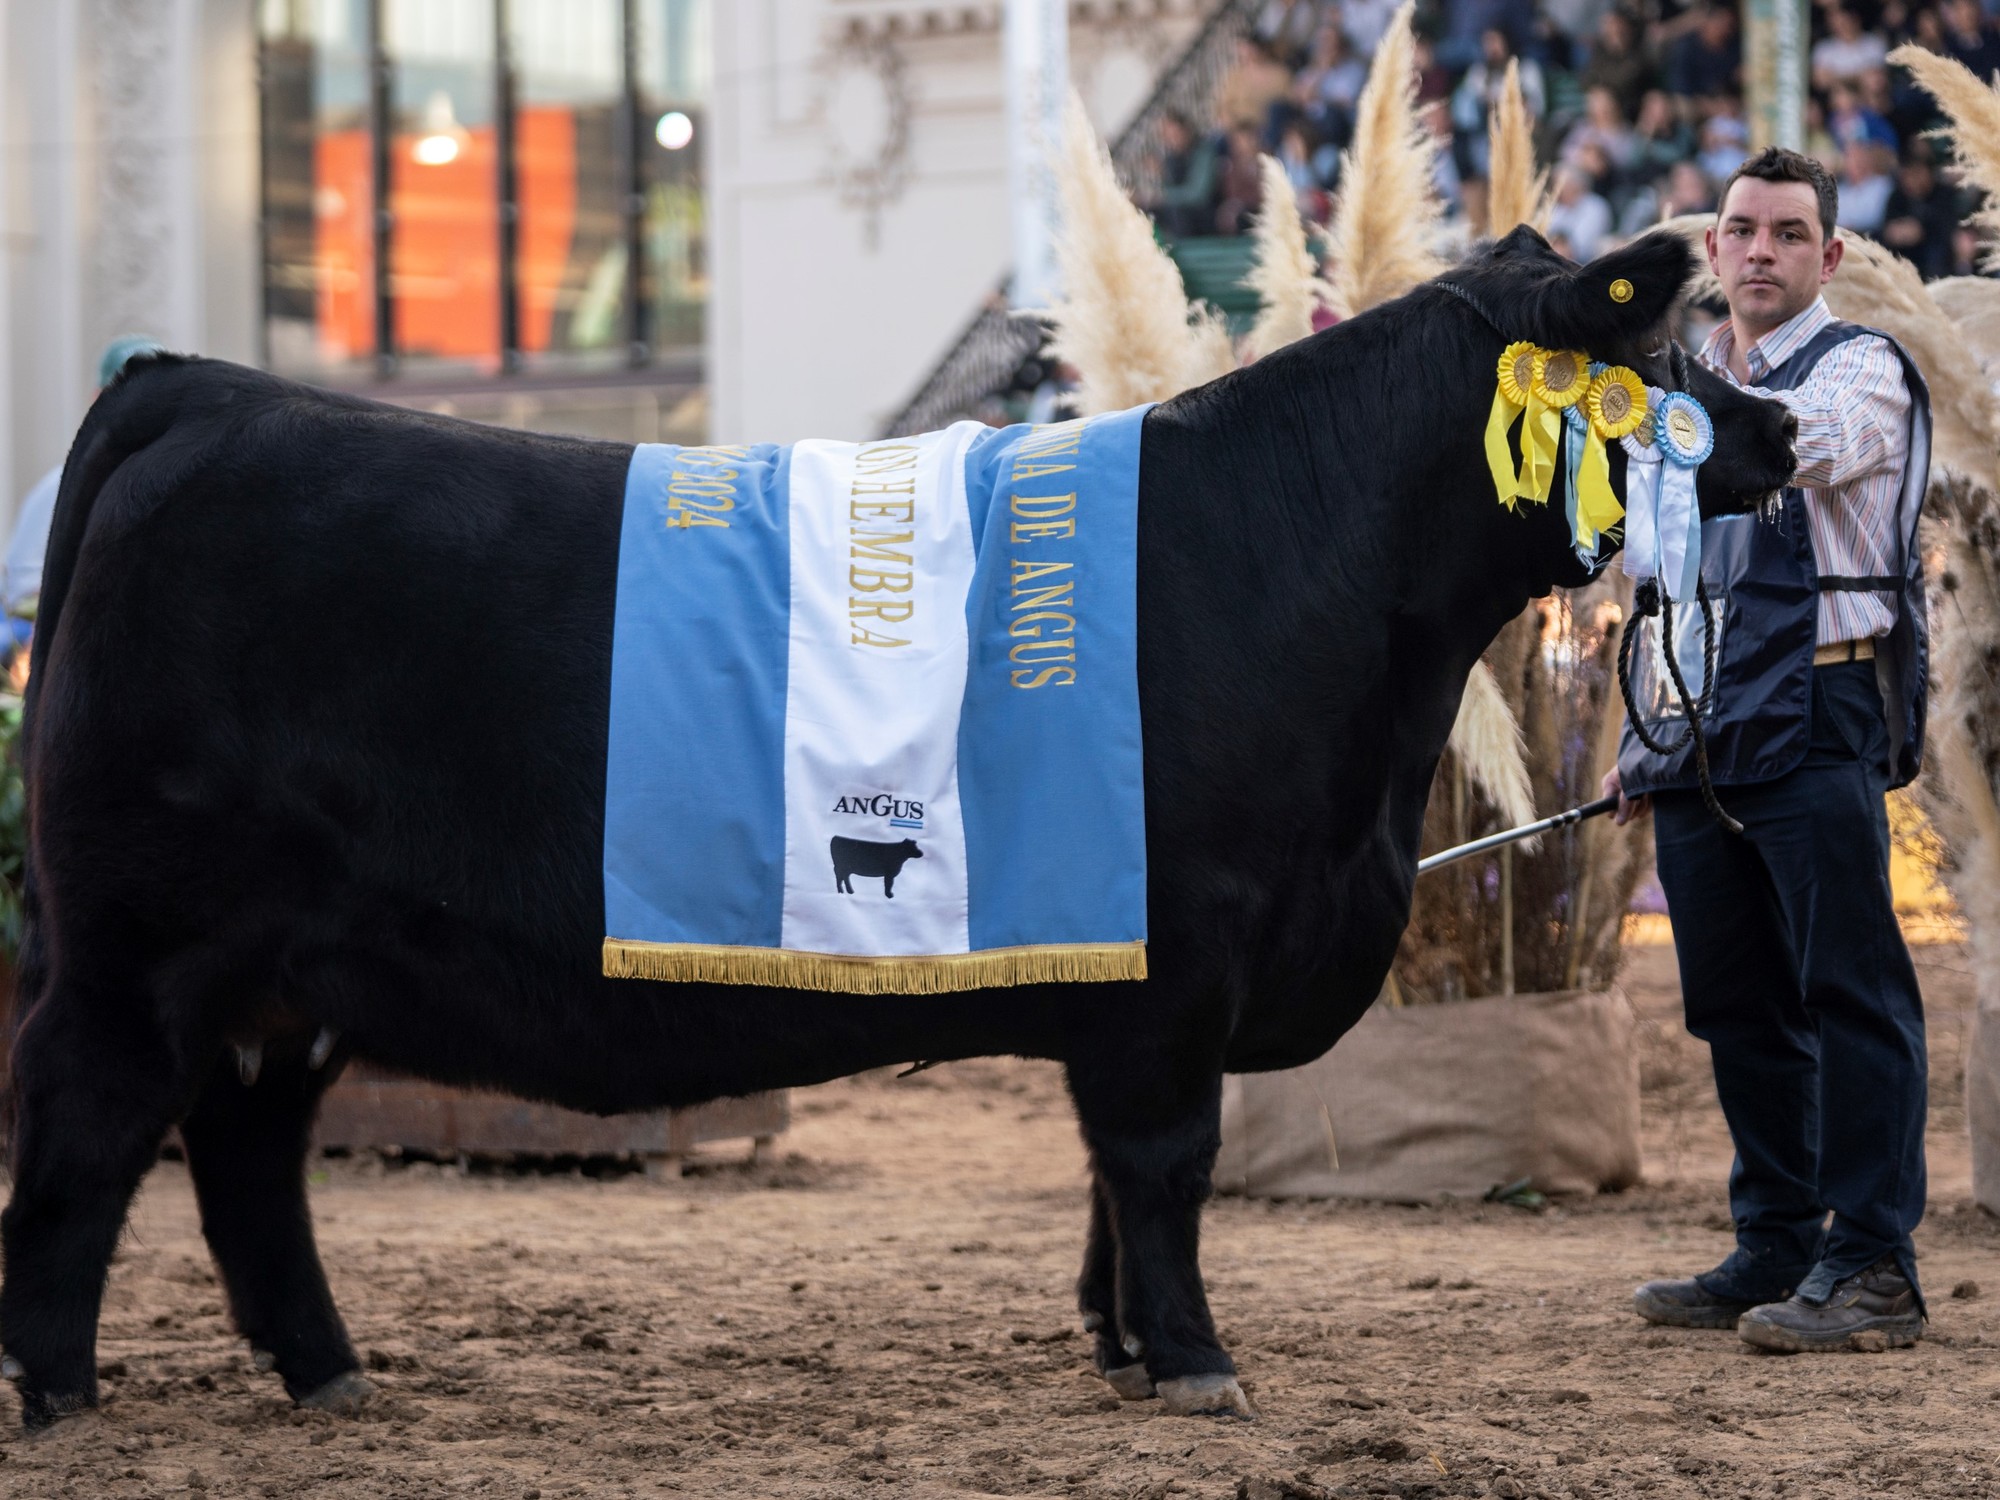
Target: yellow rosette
1556	379
1510	398
1616	403
1560	377
1517	371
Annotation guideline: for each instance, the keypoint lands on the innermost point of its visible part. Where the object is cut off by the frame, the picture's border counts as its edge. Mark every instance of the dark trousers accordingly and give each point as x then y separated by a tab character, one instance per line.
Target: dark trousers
1795	973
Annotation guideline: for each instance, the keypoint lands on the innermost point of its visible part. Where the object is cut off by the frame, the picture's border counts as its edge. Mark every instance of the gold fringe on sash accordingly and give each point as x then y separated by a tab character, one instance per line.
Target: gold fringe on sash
934	974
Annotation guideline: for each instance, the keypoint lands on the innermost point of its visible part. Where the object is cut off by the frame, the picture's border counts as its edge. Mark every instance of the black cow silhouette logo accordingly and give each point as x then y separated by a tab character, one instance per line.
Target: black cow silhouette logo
853	857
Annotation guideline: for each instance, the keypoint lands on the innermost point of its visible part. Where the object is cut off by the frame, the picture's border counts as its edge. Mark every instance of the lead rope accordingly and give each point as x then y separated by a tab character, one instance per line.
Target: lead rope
1645	602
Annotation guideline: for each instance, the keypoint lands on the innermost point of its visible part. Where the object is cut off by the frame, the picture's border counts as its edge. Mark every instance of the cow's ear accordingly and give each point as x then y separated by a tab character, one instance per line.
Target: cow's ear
1524	241
1626	294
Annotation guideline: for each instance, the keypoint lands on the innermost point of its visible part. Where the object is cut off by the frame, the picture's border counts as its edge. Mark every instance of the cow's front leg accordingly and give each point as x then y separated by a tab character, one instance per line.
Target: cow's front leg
1152	1158
1097	1297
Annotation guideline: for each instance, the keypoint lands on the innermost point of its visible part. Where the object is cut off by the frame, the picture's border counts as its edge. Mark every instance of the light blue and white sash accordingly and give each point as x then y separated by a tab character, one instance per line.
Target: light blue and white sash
874	713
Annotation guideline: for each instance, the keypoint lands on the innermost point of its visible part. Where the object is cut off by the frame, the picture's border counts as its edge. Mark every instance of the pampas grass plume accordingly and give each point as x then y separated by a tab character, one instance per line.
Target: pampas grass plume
1283	276
1972	303
1487	740
1516	193
1973	108
1388	213
1123	320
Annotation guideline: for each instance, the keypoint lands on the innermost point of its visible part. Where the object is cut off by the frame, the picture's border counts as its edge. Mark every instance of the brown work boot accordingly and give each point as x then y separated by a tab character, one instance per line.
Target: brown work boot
1686	1304
1877	1307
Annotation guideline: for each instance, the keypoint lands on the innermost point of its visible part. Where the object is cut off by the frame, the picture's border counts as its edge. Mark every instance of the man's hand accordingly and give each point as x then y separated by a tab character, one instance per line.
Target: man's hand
1628	807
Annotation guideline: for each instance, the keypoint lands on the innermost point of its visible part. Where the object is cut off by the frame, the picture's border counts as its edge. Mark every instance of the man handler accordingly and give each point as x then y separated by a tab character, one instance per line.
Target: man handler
1792	966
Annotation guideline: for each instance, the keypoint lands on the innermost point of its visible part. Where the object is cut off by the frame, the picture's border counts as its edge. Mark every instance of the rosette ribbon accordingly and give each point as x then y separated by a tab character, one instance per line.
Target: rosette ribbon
1558	378
1643	461
1536	386
1510	400
1686	437
1615	404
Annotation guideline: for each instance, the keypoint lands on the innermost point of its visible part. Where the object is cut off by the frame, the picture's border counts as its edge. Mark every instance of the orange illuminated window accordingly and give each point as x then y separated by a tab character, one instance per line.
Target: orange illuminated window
442	194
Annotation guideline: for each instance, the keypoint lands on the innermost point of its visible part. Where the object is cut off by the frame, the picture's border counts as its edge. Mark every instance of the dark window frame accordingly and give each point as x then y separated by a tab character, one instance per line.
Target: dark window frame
631	123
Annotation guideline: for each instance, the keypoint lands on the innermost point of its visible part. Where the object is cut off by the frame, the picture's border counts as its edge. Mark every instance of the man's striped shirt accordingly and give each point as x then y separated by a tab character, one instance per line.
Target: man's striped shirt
1854	438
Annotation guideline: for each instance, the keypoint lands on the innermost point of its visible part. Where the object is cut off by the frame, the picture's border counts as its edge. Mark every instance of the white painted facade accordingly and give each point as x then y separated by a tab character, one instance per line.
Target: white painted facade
858	210
128	199
860	200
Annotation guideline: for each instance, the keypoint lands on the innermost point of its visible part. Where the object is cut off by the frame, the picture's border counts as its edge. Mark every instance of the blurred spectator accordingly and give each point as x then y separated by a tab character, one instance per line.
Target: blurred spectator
1707	64
1186	202
1286	27
1479	91
1639	101
1433	77
1364	21
1242	181
1620	64
1330	84
1846	51
1969	37
1435	117
1603	127
1724	141
1659	138
1921	215
1688	192
1848	120
1865	186
1255	83
1820	144
1912	109
1878	101
1296	154
1579	219
1466	23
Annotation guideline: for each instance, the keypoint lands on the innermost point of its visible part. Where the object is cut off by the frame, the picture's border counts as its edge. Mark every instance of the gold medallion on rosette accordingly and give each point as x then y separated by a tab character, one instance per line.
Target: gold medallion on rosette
1616	403
1560	377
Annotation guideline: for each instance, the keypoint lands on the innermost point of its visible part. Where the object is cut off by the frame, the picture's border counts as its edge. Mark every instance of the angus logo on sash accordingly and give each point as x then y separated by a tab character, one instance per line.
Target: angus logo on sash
905	673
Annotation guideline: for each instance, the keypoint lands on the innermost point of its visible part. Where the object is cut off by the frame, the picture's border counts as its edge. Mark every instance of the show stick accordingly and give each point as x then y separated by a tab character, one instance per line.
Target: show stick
1526	831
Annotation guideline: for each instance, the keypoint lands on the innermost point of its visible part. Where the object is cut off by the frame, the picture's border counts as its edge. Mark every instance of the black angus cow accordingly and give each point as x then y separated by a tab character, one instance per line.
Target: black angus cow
852	857
283	777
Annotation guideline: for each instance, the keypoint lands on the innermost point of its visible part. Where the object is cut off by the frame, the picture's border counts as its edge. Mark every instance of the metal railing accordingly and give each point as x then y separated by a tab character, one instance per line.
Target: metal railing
983	359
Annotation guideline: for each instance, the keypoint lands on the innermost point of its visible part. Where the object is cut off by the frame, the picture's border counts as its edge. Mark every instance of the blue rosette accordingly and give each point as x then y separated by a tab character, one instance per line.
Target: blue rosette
1685	435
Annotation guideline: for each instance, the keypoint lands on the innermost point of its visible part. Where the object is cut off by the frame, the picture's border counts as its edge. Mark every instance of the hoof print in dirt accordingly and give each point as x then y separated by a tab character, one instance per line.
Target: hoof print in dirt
344	1395
1131	1382
1206	1396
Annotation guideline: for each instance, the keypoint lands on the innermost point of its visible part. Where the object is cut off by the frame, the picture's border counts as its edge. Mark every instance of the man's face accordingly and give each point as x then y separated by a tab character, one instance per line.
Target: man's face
1769	252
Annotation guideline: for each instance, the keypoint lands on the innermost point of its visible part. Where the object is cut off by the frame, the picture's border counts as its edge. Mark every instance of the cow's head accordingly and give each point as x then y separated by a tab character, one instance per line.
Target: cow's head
910	849
1523	289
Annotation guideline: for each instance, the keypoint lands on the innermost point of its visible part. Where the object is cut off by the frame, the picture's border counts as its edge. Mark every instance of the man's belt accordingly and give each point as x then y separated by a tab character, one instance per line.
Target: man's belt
1839	651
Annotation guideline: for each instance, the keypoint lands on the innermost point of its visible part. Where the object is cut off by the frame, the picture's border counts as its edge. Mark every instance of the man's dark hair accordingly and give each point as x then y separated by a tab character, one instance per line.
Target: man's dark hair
1776	164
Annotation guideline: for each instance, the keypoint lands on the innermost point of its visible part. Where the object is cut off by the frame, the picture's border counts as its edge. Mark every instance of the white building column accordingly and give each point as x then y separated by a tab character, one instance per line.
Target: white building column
1035	56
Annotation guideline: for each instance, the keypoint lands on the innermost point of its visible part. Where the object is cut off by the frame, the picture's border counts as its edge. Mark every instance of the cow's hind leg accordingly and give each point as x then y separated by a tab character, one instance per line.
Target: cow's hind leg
1097	1296
246	1148
1152	1153
95	1088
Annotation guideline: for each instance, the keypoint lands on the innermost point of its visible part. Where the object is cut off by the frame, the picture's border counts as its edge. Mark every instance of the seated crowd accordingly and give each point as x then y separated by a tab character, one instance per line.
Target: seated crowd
1638	105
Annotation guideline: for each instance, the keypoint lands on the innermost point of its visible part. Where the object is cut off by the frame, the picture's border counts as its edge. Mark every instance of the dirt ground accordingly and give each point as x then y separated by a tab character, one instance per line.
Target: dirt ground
885	1308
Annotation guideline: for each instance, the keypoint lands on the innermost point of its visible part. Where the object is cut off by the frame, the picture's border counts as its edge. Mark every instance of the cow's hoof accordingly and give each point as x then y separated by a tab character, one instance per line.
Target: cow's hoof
40	1413
1131	1382
1206	1396
344	1395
